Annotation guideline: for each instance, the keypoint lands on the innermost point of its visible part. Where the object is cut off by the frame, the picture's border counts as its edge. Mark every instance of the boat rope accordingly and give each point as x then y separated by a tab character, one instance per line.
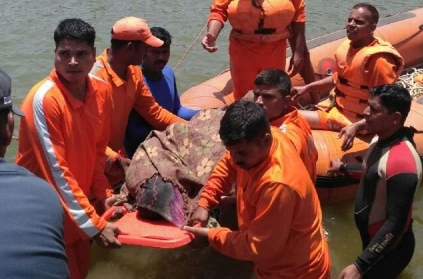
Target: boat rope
397	44
190	47
408	80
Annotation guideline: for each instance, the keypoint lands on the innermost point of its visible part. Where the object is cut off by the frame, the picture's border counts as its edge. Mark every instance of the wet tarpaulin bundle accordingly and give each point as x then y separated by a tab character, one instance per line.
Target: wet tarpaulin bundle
159	199
173	165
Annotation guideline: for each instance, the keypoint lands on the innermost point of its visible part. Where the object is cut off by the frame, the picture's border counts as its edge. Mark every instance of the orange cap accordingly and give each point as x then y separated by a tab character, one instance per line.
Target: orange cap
134	29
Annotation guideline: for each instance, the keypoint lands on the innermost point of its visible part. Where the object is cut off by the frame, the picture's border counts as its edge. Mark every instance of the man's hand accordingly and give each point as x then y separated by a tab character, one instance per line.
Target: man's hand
349	132
118	199
107	237
209	43
297	91
335	165
296	63
201	235
200	216
350	272
124	163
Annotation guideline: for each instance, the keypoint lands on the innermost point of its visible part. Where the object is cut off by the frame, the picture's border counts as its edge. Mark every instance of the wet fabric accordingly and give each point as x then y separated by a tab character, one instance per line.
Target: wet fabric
184	155
158	196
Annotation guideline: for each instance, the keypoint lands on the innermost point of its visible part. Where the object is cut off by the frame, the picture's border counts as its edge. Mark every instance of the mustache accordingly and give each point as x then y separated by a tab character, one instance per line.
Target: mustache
159	62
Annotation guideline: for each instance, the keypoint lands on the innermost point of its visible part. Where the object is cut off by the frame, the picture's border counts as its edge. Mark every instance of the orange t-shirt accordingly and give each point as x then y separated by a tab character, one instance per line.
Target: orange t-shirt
279	215
62	140
298	131
129	94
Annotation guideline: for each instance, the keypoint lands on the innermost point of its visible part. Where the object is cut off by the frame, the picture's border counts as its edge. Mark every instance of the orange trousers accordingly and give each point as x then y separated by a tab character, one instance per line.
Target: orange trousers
248	58
78	254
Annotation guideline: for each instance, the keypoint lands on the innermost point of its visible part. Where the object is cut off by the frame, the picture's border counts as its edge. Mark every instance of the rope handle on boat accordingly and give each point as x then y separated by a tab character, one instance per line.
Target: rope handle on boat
409	38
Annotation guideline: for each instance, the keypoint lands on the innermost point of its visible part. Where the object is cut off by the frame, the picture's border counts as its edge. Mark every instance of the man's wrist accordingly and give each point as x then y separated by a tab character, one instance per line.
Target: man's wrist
359	269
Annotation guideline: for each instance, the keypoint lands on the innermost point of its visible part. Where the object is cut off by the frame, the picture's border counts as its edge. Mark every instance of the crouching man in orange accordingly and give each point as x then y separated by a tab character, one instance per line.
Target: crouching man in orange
272	89
119	67
63	137
279	215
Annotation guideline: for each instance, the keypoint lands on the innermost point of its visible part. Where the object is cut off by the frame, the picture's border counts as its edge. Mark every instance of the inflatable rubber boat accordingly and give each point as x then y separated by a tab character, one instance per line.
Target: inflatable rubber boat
404	31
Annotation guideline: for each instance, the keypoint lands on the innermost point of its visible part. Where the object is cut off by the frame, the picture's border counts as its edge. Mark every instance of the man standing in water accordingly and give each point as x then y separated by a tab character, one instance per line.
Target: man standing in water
392	172
271	91
63	137
119	67
279	215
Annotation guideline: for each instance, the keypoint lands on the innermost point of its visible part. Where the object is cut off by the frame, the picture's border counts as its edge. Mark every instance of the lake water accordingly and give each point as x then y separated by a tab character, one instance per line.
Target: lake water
26	54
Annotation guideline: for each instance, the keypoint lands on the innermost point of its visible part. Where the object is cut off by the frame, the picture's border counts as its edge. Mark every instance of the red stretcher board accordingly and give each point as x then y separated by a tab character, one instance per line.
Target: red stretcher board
141	232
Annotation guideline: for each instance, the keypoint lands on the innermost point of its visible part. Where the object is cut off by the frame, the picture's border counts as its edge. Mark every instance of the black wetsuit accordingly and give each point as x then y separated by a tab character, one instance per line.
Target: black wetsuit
392	173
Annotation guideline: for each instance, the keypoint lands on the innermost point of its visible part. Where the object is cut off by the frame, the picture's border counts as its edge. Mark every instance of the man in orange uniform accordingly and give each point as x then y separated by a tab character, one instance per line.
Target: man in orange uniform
63	137
271	91
119	66
363	61
258	38
279	215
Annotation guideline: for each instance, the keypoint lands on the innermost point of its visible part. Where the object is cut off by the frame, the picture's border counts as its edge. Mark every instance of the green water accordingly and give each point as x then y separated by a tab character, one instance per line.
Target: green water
26	53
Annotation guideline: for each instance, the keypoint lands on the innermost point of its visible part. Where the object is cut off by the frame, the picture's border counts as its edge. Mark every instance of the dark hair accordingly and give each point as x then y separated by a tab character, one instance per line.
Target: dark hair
74	29
276	78
373	11
162	34
394	98
118	44
243	120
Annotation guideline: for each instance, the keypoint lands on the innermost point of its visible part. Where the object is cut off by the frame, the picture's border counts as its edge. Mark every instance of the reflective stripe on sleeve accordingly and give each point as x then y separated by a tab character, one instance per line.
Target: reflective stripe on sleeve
81	218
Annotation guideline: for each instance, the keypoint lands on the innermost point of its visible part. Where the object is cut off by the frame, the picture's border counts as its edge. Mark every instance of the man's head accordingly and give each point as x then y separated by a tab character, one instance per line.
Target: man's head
75	51
131	36
156	58
388	109
271	92
245	131
361	24
7	109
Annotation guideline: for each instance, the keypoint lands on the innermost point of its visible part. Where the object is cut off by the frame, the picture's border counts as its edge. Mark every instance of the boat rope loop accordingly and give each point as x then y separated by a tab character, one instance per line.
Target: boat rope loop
190	47
397	44
409	81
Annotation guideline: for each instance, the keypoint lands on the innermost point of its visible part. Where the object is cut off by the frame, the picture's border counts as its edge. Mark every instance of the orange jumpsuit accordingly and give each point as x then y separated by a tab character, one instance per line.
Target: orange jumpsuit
279	215
62	140
128	94
358	70
298	131
258	37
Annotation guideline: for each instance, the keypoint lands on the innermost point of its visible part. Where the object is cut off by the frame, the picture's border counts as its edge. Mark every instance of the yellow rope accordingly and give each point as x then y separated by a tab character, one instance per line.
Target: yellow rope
407	81
190	47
